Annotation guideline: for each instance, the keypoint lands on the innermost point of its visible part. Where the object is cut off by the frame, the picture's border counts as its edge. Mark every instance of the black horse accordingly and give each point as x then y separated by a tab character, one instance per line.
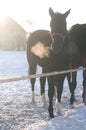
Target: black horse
60	35
59	59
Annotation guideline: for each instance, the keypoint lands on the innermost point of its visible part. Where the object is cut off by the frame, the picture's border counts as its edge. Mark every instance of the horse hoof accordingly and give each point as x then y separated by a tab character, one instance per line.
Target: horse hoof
33	102
51	116
45	105
85	103
60	113
75	99
71	106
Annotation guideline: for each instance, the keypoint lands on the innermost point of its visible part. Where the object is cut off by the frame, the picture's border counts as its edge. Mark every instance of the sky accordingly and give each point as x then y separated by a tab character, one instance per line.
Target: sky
36	11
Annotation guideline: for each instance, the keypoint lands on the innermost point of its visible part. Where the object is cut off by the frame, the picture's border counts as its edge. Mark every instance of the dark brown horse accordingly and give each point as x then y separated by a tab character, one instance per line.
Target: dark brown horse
36	38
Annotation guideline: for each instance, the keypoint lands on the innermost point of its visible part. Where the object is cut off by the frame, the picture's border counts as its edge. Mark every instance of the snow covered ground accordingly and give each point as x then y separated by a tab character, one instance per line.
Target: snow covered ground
16	110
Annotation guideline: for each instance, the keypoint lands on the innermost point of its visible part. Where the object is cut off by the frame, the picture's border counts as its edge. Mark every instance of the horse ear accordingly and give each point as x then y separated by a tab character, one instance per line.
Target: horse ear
67	13
51	12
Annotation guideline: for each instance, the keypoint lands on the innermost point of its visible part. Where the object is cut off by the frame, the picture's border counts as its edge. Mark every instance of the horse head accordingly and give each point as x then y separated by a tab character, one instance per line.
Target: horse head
58	28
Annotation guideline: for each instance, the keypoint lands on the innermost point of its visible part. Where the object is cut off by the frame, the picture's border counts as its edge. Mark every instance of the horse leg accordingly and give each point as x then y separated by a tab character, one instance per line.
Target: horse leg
59	93
50	95
84	87
32	70
42	84
72	87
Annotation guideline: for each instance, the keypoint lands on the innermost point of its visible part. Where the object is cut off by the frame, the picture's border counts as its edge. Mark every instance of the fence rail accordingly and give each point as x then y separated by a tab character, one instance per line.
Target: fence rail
18	78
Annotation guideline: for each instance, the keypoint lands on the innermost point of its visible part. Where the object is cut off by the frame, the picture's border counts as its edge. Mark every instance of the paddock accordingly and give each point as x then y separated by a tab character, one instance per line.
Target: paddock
16	110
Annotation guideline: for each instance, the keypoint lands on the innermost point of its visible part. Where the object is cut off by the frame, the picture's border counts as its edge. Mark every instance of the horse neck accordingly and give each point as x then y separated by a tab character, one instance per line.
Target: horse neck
60	33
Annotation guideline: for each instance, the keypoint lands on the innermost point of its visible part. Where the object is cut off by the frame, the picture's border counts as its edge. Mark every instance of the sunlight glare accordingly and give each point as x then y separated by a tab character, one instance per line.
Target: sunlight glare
37	11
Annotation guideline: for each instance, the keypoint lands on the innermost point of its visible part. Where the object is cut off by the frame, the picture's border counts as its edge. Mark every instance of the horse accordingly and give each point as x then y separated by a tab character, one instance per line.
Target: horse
36	38
76	50
70	50
60	33
55	61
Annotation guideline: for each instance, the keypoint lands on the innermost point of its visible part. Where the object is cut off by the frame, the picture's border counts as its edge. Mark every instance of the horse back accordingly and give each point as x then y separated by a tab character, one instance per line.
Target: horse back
77	43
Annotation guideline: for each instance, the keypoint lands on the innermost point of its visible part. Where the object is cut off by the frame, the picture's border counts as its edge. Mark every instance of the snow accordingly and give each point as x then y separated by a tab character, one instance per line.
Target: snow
16	110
